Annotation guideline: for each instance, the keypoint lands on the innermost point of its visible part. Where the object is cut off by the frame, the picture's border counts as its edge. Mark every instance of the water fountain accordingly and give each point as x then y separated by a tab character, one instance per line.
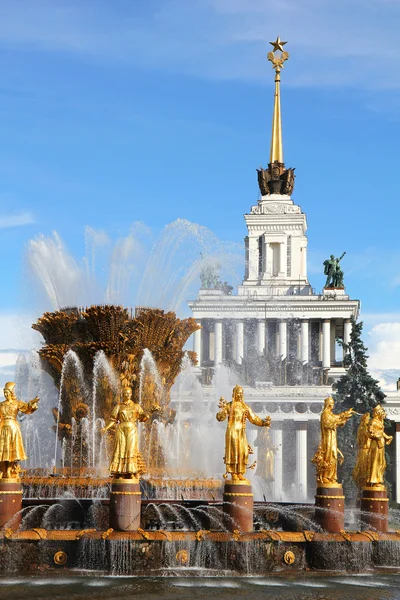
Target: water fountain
66	519
181	517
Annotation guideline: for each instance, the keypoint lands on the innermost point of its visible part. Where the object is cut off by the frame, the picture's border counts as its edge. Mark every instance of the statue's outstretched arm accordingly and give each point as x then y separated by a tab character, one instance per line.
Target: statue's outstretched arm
28	407
256	420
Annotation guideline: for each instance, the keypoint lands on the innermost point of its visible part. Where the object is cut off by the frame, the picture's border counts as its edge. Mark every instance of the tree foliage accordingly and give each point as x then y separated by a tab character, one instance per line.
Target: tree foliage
355	389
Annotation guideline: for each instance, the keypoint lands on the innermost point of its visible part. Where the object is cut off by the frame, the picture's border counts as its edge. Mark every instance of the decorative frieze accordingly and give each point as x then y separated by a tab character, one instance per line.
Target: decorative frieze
275	208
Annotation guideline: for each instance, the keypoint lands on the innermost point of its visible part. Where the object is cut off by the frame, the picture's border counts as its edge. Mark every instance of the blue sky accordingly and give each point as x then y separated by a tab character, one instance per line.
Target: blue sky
118	111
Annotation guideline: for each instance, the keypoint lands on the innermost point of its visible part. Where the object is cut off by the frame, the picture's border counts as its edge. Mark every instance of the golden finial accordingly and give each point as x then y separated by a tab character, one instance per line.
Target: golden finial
277	61
278	44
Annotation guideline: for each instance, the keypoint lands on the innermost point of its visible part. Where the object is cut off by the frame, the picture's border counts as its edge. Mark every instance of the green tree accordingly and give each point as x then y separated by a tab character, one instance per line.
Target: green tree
355	389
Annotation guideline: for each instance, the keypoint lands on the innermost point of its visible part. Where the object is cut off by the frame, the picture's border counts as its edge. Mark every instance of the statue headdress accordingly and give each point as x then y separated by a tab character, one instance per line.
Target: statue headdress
10	385
236	389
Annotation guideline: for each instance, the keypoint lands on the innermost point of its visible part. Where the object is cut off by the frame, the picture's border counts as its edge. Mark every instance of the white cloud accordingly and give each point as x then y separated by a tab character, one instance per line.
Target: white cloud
384	346
387	381
16	220
8	359
334	42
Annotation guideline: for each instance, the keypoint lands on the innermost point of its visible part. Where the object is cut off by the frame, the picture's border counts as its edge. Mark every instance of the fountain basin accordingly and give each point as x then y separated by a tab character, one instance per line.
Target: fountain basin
181	552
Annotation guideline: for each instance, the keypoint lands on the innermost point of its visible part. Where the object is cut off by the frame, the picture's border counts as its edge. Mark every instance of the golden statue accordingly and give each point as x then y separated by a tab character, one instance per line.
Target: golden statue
127	461
376	462
326	457
11	444
236	445
364	442
266	455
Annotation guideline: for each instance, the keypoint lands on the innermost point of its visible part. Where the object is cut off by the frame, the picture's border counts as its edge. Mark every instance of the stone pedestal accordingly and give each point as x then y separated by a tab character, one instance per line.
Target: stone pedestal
375	508
10	503
238	505
125	504
329	507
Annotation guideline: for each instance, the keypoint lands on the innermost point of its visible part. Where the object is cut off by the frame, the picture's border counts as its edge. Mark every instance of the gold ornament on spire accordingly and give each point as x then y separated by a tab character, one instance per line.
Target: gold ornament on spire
276	179
278	44
277	57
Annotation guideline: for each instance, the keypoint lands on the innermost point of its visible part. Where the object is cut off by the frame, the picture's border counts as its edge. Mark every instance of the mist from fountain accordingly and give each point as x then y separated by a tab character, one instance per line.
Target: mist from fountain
72	366
32	380
102	371
148	368
139	269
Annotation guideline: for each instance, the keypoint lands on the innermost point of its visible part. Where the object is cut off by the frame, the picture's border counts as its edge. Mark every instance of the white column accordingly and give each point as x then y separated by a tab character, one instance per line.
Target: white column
197	344
347	331
253	258
397	462
326	344
211	344
304	342
239	342
282	259
282	339
218	343
333	340
301	460
303	262
278	463
267	260
261	336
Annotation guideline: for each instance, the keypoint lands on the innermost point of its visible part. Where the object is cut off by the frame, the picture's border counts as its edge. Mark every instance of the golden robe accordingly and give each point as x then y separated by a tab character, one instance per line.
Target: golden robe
265	455
11	444
126	457
327	454
236	445
376	455
363	441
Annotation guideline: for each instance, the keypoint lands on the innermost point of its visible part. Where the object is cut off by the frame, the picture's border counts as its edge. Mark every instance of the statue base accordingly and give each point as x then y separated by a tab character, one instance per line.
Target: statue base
329	507
238	505
125	504
334	292
10	503
375	508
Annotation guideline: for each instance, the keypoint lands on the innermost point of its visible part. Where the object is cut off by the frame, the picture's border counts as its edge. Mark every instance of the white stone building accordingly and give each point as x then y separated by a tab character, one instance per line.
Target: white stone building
277	334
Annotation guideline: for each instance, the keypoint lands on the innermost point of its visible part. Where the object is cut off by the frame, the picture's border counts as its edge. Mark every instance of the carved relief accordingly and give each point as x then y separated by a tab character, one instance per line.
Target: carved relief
273	208
392	411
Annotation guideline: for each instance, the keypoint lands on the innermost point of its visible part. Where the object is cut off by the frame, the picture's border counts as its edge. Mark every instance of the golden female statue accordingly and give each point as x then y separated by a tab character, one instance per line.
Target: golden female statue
266	455
326	457
236	445
127	461
376	462
11	444
364	442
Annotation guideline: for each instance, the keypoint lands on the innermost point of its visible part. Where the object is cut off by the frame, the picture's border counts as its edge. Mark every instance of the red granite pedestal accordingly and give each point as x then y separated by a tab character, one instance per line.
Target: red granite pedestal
329	507
125	504
375	508
238	505
10	503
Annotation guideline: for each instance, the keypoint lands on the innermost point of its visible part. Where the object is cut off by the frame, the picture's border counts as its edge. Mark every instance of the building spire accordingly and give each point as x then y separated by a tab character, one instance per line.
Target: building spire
276	154
276	179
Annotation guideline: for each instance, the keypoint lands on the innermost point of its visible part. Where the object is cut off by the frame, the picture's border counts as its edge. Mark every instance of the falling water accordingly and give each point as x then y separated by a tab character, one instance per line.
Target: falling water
85	441
148	367
101	370
138	268
71	361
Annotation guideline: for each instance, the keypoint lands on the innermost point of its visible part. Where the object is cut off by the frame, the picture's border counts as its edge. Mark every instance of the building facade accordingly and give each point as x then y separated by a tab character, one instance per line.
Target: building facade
277	334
